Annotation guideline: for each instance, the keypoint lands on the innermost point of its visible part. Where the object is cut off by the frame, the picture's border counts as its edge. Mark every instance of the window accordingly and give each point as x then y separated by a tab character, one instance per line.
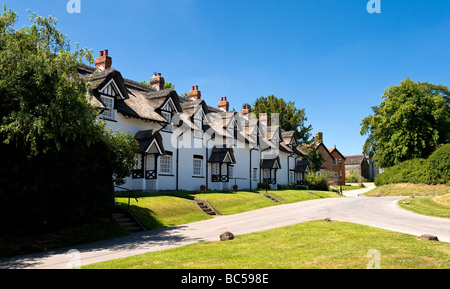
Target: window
197	167
336	175
165	163
255	174
198	132
231	141
230	171
166	111
168	117
108	113
215	168
335	162
137	161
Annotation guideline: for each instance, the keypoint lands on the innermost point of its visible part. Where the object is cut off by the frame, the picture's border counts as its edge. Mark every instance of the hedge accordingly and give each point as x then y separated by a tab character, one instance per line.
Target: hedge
434	170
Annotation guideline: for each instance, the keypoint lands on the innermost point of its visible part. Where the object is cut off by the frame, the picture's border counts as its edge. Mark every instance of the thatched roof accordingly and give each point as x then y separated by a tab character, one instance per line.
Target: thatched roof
354	159
140	101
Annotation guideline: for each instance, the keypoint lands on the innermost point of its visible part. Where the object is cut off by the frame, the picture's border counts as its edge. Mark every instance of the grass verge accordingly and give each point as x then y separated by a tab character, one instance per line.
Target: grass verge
230	202
294	196
159	211
438	206
316	244
407	189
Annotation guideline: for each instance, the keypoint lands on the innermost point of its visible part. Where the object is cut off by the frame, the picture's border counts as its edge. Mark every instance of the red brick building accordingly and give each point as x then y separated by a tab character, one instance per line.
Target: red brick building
334	160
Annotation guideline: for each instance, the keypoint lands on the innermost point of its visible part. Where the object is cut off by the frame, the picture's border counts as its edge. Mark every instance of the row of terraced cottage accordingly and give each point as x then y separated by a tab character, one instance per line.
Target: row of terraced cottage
184	144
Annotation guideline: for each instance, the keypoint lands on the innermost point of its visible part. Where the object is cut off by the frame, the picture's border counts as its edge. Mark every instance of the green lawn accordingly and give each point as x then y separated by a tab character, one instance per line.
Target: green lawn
316	244
293	196
438	206
406	189
431	200
176	208
231	202
158	211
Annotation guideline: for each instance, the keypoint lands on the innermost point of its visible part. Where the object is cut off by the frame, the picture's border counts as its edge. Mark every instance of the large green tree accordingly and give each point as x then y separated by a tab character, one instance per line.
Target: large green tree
411	121
57	165
290	117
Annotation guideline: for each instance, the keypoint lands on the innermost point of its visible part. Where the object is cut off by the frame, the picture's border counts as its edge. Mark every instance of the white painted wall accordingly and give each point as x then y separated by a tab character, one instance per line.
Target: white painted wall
190	146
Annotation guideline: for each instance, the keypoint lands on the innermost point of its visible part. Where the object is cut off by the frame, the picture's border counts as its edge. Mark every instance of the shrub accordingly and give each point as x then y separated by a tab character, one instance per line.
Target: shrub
353	177
329	177
434	170
438	166
411	171
316	182
263	186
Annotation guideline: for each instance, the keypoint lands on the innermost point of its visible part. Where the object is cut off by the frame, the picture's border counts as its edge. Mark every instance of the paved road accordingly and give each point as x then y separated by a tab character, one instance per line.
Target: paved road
377	212
355	193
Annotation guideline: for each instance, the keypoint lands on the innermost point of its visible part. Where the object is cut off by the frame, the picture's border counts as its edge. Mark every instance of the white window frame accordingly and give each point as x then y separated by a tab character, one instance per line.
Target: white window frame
197	167
168	117
108	112
107	87
165	165
167	111
198	132
255	174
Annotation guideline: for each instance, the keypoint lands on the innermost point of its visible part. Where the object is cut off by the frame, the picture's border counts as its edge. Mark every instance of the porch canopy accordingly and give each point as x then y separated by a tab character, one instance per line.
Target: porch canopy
150	147
269	166
221	158
270	162
301	166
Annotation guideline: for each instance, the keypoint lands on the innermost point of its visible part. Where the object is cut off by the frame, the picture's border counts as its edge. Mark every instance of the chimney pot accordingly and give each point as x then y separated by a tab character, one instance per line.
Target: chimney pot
157	81
103	60
223	104
319	137
194	94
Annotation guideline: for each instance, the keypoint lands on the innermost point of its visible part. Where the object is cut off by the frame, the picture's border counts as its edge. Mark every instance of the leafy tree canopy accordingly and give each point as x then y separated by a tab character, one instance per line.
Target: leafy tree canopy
43	100
315	159
290	117
411	121
44	103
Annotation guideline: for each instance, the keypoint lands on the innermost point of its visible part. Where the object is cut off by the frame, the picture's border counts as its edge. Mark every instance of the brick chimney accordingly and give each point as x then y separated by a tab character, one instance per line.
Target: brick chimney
263	119
103	60
223	104
245	112
157	81
319	137
195	94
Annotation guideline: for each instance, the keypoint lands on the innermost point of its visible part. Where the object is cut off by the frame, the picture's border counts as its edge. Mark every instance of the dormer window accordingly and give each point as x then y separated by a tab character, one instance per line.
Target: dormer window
108	94
167	111
232	131
198	124
108	112
168	117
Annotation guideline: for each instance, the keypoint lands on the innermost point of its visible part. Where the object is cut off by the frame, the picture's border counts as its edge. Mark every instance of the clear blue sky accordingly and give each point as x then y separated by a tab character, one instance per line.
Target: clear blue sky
331	57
